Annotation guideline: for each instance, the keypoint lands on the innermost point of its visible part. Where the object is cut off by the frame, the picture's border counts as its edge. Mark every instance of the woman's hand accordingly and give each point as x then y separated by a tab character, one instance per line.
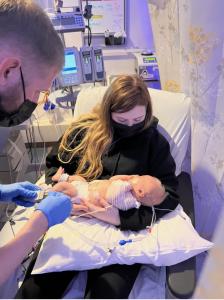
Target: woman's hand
83	206
121	177
107	214
79	209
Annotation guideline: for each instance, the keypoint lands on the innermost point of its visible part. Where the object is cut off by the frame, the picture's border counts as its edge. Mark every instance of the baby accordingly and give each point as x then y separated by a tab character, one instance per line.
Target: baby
122	191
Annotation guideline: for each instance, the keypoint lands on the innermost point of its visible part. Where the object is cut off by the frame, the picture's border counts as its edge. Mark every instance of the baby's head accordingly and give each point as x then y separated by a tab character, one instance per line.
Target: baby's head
141	186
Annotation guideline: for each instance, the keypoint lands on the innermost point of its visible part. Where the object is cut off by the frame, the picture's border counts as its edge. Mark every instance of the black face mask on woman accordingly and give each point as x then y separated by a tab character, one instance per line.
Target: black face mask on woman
122	130
22	113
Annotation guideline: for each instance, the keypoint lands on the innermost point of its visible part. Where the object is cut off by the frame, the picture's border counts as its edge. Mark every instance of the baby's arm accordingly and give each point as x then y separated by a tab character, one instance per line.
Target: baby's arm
61	176
76	178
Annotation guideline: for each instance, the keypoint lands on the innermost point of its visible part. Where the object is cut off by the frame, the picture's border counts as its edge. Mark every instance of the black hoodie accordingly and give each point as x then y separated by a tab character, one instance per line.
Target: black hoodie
145	153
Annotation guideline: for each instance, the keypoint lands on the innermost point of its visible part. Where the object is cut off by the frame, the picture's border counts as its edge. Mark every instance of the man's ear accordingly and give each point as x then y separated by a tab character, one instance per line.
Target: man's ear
9	70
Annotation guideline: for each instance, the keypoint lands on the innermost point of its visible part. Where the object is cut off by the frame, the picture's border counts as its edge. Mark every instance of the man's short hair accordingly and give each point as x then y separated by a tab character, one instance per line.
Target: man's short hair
25	26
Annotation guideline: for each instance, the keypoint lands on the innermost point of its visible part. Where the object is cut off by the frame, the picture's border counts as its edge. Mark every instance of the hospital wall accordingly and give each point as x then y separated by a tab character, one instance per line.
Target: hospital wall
118	59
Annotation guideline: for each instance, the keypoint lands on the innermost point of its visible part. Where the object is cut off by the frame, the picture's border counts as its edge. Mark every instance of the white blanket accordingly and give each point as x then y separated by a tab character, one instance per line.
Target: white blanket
84	244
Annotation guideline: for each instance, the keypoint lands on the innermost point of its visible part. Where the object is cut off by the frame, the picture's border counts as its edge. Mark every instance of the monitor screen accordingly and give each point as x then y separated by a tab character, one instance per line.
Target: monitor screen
70	66
149	59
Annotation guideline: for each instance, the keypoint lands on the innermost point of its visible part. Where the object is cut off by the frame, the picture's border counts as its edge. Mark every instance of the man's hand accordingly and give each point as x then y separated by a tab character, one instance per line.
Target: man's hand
21	193
56	207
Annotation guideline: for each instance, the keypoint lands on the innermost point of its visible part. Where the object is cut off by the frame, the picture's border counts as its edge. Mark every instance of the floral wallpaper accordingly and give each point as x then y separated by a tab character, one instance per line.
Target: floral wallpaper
165	20
189	42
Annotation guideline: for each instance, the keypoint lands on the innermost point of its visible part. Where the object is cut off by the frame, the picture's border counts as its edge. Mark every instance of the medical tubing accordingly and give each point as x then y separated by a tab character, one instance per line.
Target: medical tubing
121	242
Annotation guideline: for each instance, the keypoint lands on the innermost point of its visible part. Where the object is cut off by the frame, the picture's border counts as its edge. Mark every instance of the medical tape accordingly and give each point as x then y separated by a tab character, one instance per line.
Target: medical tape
41	194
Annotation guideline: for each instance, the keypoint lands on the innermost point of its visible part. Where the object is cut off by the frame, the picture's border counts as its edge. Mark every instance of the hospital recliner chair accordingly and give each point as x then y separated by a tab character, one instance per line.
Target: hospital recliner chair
173	112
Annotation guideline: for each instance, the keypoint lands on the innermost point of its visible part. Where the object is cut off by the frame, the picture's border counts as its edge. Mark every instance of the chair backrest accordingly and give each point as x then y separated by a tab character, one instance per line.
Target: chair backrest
172	110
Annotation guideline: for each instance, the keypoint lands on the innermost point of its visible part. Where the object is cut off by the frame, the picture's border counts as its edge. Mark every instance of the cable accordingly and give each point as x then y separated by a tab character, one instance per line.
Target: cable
92	212
89	35
113	245
33	140
87	15
29	145
41	162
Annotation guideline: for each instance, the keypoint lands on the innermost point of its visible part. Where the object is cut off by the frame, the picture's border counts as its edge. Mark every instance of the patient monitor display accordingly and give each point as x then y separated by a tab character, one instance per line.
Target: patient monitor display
70	64
71	73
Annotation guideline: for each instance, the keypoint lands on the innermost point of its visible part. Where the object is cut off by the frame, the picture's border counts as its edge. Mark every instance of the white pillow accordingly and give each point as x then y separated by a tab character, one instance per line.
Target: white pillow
172	110
84	244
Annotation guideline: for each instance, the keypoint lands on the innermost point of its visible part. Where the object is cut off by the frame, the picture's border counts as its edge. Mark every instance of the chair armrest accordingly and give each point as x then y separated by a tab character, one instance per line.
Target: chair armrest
186	195
181	278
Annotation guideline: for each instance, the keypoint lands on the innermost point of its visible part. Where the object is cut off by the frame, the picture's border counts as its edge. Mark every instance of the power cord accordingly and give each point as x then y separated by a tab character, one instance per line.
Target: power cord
88	15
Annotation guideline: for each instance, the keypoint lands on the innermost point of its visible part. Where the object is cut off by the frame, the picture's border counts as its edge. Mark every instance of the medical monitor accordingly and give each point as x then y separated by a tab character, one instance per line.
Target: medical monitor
71	73
70	66
149	59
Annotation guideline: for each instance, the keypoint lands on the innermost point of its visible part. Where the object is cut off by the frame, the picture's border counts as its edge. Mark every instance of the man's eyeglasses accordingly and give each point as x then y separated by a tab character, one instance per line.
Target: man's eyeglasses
43	95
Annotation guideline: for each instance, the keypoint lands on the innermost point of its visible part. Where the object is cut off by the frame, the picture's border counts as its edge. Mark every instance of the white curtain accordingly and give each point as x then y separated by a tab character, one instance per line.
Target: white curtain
189	43
189	38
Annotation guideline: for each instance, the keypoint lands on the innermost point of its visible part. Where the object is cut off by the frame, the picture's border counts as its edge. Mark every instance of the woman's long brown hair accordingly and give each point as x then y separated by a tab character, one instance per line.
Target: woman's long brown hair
122	95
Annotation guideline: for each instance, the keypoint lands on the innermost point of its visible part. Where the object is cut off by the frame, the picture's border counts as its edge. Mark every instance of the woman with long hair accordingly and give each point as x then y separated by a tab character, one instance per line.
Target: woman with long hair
119	137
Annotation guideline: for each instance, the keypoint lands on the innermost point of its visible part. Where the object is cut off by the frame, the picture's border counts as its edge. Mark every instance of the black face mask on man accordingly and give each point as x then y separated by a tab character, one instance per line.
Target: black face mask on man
21	114
122	130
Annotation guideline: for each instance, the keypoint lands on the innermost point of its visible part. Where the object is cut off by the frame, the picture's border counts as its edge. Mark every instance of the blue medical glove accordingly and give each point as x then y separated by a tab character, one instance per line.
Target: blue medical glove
22	193
56	207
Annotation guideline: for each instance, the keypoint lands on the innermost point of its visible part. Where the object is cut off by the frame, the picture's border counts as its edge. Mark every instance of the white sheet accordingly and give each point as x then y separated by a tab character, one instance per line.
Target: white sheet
84	244
150	282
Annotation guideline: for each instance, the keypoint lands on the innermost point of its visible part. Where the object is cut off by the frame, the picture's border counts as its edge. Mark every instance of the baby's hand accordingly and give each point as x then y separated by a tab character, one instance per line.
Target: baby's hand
58	174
